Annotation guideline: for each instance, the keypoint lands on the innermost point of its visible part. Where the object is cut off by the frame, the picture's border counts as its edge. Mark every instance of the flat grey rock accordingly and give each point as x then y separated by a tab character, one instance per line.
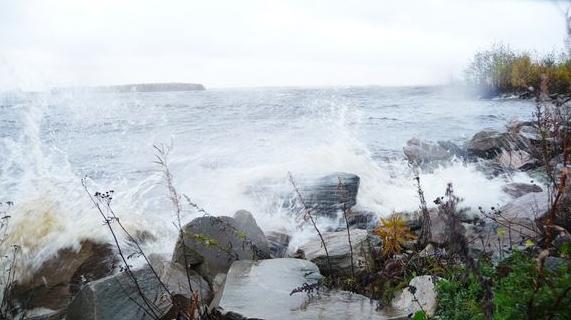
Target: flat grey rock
262	290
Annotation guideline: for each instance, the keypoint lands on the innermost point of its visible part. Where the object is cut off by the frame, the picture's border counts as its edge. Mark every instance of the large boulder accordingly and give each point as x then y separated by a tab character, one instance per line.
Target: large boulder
421	291
120	297
518	189
340	252
211	244
270	289
489	143
329	194
54	283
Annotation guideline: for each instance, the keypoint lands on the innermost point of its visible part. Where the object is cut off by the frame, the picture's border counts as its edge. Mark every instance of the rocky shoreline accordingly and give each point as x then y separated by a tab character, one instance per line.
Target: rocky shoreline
236	271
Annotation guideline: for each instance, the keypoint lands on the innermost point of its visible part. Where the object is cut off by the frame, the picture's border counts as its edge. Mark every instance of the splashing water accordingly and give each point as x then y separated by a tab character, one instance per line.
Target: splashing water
232	150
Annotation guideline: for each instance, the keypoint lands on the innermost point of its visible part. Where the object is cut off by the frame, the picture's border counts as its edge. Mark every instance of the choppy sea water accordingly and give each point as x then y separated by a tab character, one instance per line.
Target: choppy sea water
231	149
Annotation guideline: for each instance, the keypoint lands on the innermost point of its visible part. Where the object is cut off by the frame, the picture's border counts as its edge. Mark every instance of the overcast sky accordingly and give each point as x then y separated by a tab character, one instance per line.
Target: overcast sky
261	43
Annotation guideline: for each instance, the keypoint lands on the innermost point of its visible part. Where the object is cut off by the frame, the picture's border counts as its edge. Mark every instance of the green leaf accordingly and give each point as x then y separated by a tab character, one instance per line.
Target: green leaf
419	315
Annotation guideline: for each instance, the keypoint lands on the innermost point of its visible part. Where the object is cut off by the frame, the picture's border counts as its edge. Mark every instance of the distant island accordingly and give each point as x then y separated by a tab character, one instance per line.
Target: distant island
139	87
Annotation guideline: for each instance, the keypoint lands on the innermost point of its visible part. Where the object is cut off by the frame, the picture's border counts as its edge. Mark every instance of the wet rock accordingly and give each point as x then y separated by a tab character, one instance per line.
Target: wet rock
528	207
519	216
489	143
359	219
515	126
530	132
218	282
516	160
263	290
279	242
112	297
54	283
494	240
424	294
439	230
518	189
420	152
325	196
211	244
340	252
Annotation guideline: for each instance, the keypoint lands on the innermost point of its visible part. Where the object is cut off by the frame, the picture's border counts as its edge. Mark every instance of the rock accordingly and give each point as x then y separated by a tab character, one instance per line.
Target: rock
112	297
420	152
516	160
521	213
263	290
279	242
358	219
531	133
211	243
424	291
488	143
429	251
325	196
515	126
495	240
54	283
218	282
439	229
563	215
528	207
518	189
340	252
554	264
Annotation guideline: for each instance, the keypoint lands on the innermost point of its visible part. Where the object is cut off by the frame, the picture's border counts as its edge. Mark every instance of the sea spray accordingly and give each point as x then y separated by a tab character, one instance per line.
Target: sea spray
232	150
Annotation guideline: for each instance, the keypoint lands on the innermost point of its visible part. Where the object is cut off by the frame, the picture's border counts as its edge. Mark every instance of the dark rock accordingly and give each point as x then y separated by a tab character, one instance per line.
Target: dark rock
211	244
267	290
358	219
54	283
325	196
279	242
515	126
518	189
489	143
117	296
339	251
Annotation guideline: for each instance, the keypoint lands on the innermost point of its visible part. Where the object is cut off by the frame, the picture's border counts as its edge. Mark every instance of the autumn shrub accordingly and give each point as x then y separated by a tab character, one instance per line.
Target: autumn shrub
394	234
500	70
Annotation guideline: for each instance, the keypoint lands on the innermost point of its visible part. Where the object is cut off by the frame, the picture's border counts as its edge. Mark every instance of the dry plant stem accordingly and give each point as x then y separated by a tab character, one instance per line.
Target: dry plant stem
7	294
425	231
140	250
310	217
151	310
162	157
343	191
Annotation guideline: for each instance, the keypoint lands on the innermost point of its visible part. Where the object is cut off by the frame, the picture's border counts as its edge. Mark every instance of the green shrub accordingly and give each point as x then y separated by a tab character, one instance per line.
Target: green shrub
520	291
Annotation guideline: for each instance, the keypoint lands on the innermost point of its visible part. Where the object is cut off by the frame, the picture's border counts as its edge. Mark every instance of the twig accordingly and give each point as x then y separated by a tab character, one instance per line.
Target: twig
310	217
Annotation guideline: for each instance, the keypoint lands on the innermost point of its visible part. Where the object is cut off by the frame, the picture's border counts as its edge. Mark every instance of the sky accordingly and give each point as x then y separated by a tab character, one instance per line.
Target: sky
45	43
